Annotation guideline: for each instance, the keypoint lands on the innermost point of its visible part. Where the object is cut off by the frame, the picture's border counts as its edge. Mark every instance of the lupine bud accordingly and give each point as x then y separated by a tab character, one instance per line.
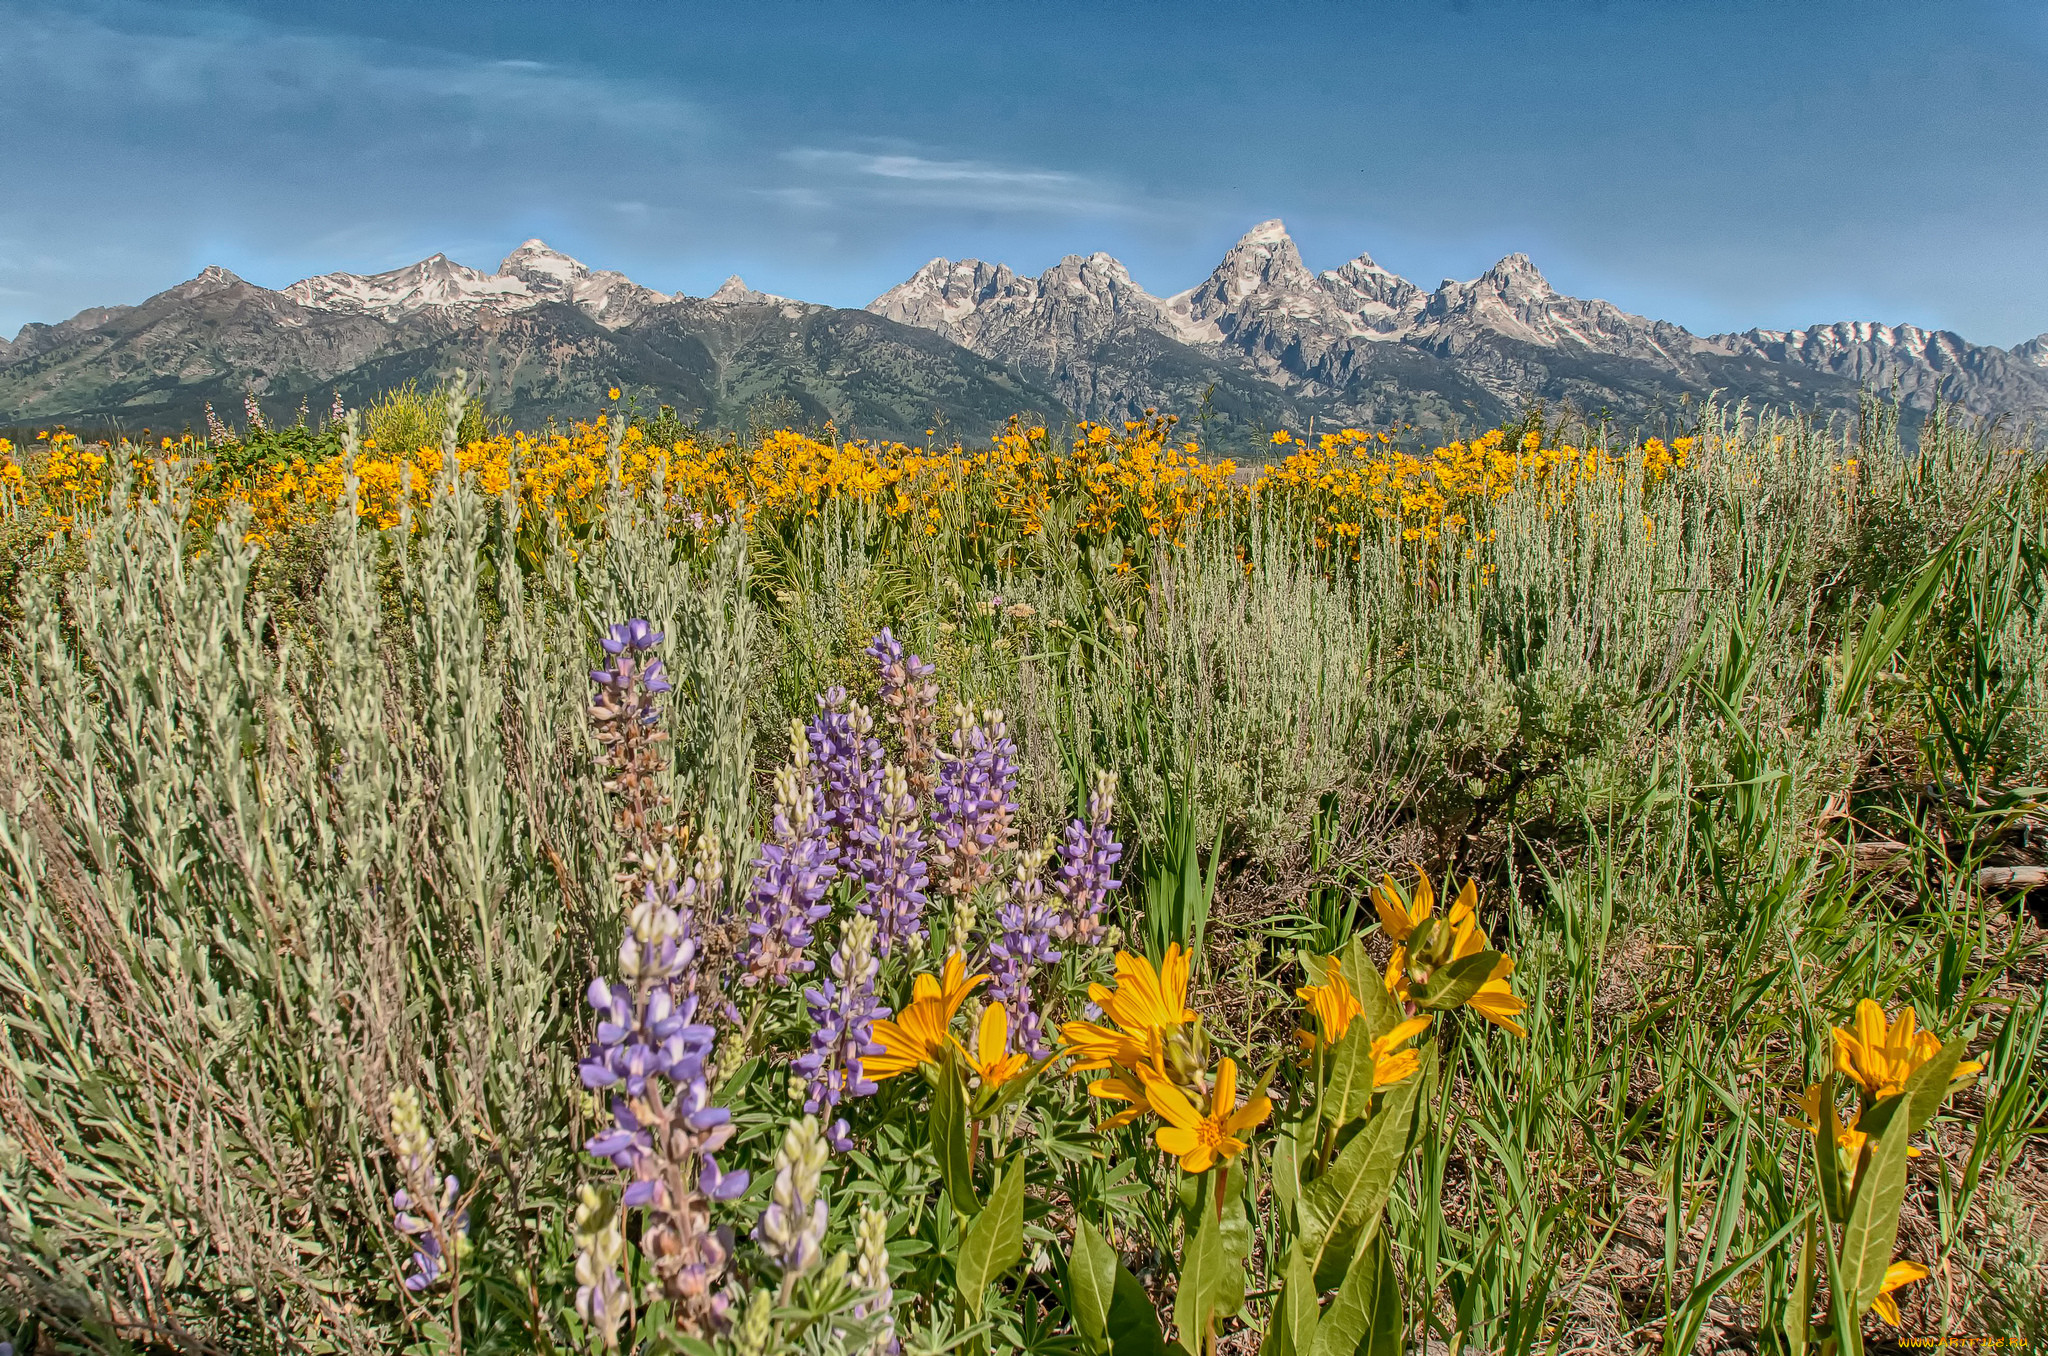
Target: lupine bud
601	1297
792	1228
871	1235
756	1328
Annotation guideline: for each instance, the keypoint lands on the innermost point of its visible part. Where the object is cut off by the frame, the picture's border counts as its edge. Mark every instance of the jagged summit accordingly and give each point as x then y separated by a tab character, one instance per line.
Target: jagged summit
1260	342
532	275
735	292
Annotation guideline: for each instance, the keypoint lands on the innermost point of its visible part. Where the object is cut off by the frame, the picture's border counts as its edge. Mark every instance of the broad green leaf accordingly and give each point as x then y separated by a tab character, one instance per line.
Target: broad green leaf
1091	1280
995	1241
1341	1209
1365	1318
1382	1013
1286	1164
1133	1322
1348	1093
1873	1225
948	1126
1293	1326
1211	1284
1451	986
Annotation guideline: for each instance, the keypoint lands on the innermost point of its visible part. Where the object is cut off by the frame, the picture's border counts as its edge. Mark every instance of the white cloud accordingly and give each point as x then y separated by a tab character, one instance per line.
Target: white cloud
903	177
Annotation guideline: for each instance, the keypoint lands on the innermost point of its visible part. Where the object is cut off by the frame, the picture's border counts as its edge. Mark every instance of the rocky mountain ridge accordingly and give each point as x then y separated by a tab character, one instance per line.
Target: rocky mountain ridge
1363	345
1263	342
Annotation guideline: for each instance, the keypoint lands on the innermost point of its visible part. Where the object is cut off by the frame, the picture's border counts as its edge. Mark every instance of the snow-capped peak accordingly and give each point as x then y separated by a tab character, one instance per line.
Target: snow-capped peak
531	275
533	259
734	292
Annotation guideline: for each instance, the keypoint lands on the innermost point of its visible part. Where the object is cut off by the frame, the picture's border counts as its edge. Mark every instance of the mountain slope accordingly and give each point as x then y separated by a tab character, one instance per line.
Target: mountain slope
545	336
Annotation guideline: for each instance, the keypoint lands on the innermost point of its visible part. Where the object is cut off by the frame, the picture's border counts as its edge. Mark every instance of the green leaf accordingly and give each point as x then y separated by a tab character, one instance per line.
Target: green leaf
1286	1165
1452	986
949	1142
995	1241
1382	1013
1133	1322
1365	1318
1348	1093
1341	1209
1872	1229
1293	1326
1211	1285
1091	1281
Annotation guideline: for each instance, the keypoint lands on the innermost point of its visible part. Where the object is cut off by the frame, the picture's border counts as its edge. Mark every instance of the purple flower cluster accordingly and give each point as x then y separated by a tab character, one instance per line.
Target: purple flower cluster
892	865
628	686
791	874
844	1010
976	806
428	1207
849	762
911	700
650	1052
1025	921
428	1257
1088	853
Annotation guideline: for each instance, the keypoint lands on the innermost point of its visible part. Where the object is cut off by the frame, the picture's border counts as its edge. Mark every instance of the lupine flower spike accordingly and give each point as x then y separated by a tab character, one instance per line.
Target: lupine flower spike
791	873
844	1011
892	866
427	1207
650	1053
976	810
792	1228
1025	923
910	702
1088	853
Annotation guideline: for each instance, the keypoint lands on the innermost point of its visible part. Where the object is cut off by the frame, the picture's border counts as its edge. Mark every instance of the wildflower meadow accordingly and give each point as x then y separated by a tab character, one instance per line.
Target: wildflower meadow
626	889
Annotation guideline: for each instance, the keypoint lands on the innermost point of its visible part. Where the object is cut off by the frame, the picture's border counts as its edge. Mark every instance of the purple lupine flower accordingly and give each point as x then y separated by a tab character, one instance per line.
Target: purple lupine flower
650	1050
975	808
1088	854
791	874
892	866
427	1208
424	1225
1023	942
792	1228
844	1010
910	699
848	759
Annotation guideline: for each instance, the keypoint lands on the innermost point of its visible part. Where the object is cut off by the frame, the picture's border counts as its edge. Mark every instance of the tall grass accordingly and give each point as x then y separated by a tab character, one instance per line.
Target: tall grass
1728	752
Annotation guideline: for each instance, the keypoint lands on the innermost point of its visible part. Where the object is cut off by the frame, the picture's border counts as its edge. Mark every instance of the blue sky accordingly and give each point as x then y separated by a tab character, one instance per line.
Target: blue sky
1717	164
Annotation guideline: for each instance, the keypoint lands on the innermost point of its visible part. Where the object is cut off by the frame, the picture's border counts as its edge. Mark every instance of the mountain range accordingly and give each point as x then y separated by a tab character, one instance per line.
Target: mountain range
1262	343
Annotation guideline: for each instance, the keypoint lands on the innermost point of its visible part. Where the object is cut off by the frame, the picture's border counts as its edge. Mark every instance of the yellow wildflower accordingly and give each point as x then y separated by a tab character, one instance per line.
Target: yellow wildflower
1881	1054
1390	1064
1333	1004
1896	1275
1197	1139
1146	1005
918	1034
1494	1000
989	1060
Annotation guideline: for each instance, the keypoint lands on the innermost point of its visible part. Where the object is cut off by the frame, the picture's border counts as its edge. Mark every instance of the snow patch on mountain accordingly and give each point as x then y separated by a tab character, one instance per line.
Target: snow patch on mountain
530	276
